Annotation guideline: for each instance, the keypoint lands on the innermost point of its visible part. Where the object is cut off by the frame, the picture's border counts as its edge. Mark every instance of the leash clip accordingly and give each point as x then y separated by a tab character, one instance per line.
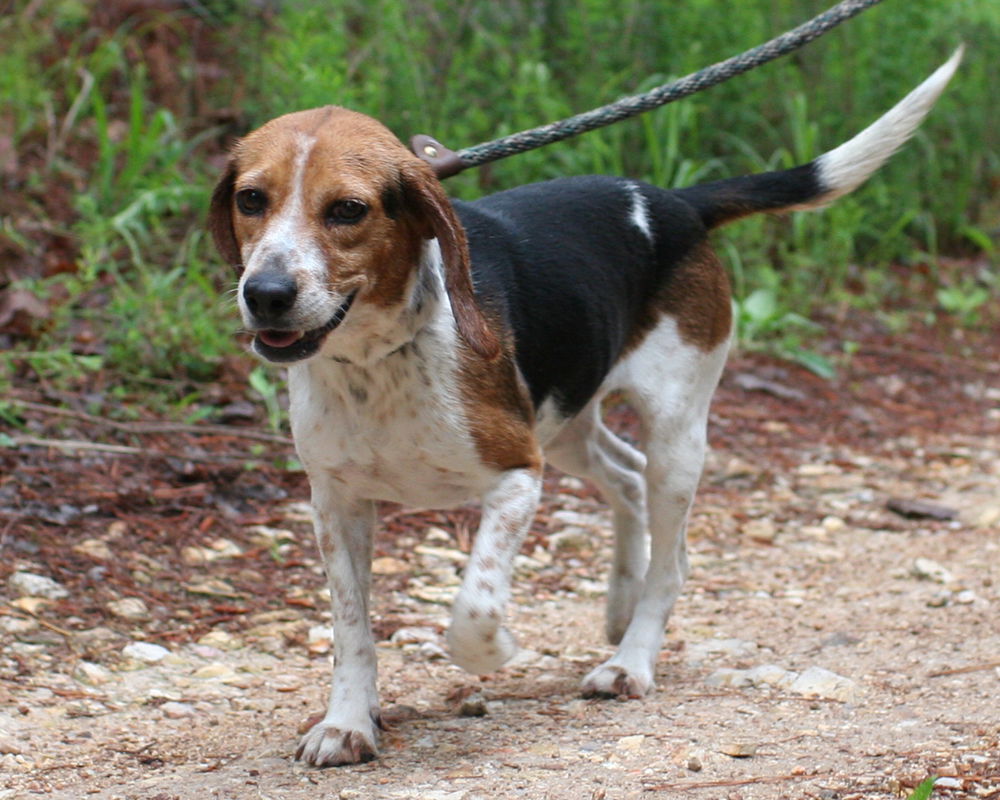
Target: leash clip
443	161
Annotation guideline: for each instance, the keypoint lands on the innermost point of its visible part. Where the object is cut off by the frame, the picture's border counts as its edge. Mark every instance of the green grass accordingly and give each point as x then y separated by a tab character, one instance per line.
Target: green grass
146	286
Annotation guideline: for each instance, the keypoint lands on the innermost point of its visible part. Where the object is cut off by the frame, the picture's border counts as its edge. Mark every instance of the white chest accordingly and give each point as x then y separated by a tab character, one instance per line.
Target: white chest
395	430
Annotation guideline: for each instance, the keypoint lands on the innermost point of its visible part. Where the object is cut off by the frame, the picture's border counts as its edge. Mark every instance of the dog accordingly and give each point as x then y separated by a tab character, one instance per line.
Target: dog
442	351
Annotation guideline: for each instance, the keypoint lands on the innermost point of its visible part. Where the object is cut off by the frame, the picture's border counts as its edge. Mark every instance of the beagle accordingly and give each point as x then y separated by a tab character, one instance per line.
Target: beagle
437	349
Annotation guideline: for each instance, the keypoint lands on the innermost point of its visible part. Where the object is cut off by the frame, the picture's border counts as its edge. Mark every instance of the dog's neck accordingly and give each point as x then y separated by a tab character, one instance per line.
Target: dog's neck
372	333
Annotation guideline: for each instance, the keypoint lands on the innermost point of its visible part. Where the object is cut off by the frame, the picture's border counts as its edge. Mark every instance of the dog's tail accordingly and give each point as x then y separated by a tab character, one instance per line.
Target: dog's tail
828	177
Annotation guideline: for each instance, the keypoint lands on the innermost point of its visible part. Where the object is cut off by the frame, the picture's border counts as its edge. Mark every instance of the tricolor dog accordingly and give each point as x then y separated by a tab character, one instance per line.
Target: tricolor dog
442	351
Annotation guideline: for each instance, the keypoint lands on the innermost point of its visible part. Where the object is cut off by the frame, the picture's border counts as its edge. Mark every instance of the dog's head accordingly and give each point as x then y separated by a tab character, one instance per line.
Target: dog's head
325	215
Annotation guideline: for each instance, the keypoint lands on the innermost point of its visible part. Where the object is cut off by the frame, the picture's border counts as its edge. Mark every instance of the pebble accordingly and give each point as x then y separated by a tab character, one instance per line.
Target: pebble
432	652
132	608
389	566
739	749
473	706
572	539
174	710
95	549
8	748
760	530
926	569
146	652
813	682
734	648
28	584
415	636
214	671
819	682
965	597
632	743
94	674
320	639
221	640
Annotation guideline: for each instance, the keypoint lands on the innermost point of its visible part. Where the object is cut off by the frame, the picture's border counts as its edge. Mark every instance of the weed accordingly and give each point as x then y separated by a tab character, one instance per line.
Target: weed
923	791
264	384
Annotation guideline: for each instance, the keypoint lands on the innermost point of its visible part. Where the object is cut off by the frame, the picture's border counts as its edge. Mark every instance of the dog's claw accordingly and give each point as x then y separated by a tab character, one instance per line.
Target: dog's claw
329	746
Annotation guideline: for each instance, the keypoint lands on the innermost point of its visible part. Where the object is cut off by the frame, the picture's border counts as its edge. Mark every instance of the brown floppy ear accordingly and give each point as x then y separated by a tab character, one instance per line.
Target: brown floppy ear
220	219
425	192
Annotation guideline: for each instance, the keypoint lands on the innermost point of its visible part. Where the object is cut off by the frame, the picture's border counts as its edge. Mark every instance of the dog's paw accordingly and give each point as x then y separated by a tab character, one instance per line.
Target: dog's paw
614	680
329	745
480	649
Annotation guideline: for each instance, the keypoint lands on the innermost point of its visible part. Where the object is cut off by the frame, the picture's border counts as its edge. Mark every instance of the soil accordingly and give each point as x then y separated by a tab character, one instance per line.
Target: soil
851	525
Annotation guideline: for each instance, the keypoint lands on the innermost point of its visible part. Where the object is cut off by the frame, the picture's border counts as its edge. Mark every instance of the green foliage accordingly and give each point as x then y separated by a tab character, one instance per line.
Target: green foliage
151	290
923	791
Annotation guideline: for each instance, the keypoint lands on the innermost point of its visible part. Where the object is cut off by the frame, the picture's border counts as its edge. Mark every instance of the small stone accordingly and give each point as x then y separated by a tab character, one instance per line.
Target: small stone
819	682
17	626
939	599
739	749
432	652
571	539
174	710
350	794
146	652
94	674
733	678
31	605
414	636
772	675
441	595
435	534
926	569
214	671
95	549
965	597
220	640
632	743
760	530
387	565
213	587
920	509
734	648
694	764
132	608
265	536
319	639
27	584
833	524
473	706
442	554
8	748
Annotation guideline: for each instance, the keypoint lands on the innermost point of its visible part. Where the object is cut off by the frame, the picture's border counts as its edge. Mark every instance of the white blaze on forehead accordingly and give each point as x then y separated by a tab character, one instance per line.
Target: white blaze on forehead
286	233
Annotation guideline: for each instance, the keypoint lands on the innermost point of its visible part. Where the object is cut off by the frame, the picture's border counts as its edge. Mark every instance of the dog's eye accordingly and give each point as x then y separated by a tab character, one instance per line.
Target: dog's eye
251	202
345	212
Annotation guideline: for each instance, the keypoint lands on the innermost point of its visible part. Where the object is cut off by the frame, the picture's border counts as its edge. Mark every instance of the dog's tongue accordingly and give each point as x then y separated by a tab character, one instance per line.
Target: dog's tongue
279	338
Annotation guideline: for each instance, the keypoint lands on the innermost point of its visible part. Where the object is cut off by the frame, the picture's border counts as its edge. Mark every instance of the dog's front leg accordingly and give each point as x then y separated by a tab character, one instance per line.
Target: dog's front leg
347	734
477	639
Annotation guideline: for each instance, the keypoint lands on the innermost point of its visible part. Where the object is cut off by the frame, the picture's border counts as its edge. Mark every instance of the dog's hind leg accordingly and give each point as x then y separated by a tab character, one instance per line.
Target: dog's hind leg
671	384
587	449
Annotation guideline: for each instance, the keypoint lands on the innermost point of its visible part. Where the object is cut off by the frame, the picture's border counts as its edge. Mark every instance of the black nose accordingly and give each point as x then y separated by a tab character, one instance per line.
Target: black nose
269	295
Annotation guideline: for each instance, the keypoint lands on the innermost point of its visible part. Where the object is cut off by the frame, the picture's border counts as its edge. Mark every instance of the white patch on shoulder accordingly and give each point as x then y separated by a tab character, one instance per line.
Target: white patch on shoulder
639	215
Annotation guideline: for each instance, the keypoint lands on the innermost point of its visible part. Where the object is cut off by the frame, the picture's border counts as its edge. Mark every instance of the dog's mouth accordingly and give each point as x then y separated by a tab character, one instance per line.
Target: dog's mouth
285	346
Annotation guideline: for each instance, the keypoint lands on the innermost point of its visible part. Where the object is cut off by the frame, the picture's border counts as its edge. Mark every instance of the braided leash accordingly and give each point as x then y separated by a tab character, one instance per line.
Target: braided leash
448	162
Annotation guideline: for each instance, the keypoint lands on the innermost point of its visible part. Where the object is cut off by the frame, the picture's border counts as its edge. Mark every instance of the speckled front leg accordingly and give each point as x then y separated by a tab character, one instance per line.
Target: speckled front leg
477	638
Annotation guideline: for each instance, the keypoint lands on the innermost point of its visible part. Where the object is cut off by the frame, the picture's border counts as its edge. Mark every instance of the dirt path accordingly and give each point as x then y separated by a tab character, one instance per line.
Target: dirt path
825	646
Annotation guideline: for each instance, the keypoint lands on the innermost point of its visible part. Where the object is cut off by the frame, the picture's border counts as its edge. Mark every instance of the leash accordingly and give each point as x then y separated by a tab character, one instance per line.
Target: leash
448	162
